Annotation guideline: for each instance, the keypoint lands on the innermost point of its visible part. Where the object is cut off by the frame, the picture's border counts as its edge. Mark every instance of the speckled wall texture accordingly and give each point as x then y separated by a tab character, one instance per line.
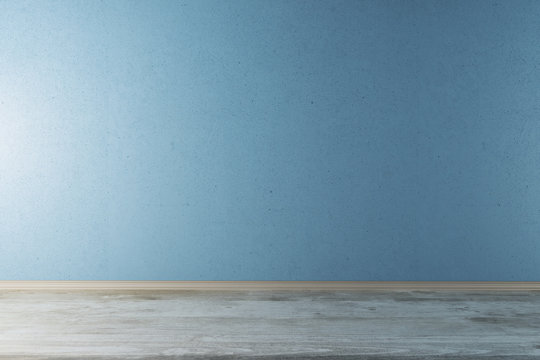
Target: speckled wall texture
270	140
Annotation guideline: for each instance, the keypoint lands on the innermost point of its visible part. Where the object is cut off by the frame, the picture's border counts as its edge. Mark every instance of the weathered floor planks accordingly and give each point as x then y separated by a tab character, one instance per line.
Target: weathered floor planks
165	325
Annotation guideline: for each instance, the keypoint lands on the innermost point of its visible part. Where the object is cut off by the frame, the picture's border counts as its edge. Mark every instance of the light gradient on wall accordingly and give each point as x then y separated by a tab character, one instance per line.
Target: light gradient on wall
270	140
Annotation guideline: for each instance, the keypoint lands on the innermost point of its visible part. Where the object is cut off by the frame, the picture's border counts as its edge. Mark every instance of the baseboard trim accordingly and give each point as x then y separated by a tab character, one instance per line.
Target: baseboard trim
273	285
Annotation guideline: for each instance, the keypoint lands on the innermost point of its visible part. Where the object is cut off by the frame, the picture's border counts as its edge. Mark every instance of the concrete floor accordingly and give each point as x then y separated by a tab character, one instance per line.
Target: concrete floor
269	325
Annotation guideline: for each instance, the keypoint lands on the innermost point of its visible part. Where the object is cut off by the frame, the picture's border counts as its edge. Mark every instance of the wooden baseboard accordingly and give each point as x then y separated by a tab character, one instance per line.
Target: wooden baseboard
273	285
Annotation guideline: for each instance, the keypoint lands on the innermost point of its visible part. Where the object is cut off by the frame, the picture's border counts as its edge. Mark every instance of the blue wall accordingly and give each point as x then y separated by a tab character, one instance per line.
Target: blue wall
270	140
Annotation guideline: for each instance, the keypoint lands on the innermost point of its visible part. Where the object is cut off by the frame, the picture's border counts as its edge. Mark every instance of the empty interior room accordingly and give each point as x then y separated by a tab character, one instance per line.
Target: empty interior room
269	179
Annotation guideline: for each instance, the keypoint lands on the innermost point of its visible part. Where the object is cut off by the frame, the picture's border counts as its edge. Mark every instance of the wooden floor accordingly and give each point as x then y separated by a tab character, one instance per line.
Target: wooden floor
160	324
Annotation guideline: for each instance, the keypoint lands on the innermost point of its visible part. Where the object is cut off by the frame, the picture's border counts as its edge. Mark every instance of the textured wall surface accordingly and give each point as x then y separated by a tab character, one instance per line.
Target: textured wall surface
270	140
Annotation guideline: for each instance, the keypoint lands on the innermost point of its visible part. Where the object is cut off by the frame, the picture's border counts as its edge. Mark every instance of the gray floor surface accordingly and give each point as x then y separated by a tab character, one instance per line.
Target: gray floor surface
265	325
